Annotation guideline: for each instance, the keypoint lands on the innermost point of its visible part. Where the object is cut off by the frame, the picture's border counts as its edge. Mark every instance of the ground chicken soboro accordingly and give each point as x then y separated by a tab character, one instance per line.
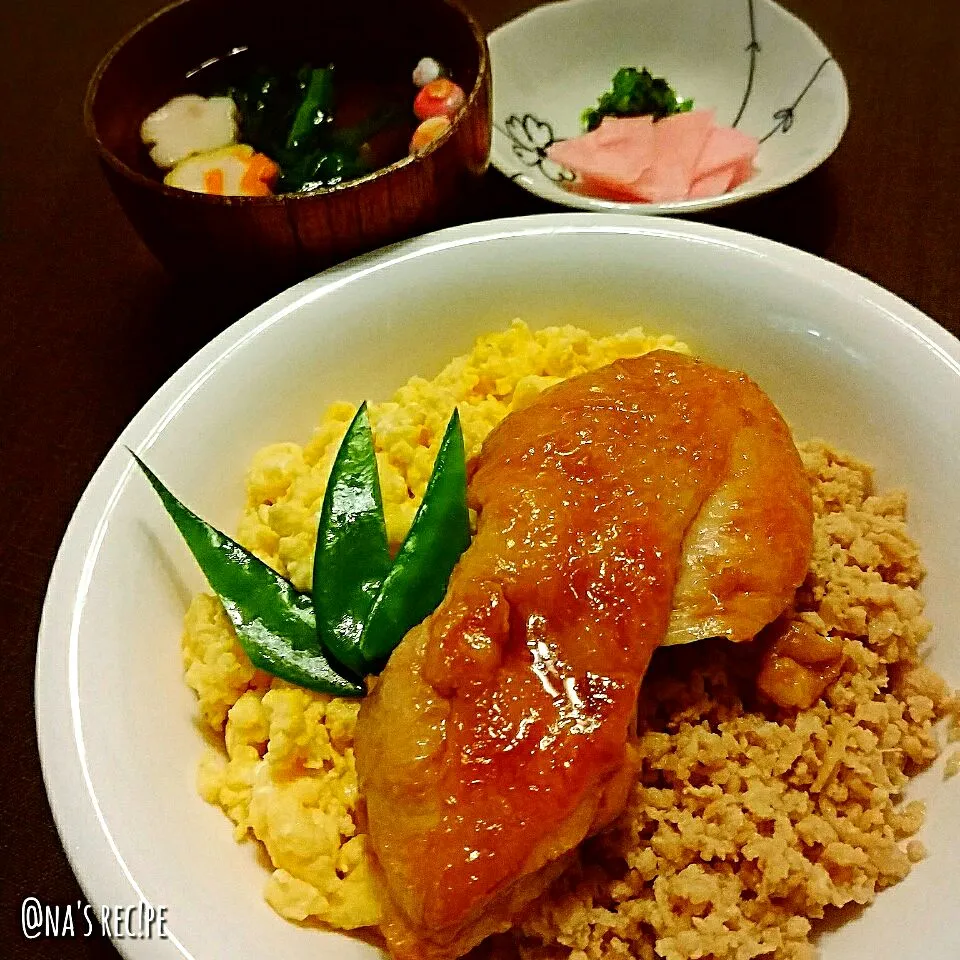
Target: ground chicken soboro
746	822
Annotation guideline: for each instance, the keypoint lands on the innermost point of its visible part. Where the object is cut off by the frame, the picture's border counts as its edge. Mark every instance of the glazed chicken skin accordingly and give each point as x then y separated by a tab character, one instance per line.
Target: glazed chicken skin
655	499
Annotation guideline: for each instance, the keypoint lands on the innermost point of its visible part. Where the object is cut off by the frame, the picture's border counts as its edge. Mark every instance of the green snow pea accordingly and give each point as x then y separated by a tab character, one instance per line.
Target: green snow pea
275	624
352	557
421	569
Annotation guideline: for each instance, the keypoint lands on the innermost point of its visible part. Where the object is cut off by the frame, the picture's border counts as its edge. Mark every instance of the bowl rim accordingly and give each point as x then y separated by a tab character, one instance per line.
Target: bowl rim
84	832
159	187
676	207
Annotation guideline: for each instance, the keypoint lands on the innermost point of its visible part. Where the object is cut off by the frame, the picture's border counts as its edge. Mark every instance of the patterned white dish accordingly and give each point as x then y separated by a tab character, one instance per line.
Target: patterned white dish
756	65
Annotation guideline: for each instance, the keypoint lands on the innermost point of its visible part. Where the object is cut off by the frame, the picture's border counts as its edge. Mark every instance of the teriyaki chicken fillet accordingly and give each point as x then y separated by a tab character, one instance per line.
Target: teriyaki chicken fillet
658	499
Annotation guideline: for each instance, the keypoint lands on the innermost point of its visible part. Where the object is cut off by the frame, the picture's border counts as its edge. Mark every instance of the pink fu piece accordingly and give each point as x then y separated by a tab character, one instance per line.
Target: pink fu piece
686	156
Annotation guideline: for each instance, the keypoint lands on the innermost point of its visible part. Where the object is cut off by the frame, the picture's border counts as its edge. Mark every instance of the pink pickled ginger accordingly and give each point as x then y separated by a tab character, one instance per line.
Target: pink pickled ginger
685	156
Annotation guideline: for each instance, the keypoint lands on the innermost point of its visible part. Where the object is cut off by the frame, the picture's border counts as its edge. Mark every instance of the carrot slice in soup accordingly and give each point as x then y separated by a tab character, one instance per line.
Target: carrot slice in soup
213	181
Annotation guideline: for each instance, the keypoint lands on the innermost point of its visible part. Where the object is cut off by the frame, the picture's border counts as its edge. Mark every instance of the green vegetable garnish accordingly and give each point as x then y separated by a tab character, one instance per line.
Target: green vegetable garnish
352	558
290	117
421	570
635	93
362	604
267	104
275	624
315	110
324	167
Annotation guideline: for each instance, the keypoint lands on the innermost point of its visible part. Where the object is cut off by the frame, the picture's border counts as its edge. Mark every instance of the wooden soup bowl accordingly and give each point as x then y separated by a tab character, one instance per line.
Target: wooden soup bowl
288	236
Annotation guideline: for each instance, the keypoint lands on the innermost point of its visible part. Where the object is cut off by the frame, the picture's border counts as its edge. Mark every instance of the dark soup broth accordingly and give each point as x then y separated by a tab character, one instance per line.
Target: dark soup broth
323	122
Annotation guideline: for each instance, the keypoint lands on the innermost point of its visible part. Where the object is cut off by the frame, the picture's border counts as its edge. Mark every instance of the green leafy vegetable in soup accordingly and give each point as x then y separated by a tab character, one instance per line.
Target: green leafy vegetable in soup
297	119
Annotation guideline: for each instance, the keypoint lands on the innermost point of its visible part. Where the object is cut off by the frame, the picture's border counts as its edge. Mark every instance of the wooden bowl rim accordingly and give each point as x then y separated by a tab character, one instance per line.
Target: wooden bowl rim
177	193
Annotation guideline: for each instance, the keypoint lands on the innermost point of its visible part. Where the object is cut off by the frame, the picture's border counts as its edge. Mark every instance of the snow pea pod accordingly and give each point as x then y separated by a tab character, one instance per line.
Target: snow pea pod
352	557
421	569
275	624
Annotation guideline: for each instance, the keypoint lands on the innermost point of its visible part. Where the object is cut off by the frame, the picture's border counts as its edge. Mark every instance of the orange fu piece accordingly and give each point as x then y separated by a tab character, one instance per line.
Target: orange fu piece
439	98
427	132
655	498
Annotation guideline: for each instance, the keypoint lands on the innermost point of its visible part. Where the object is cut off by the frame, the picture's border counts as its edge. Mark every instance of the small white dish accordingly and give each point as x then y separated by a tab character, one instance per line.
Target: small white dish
119	745
755	64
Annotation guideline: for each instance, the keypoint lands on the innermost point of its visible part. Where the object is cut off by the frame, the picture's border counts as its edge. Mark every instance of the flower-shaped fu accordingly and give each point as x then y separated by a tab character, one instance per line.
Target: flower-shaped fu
529	139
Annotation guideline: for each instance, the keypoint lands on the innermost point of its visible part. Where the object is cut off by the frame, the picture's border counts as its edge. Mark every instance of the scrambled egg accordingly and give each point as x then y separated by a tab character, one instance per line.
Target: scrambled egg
286	776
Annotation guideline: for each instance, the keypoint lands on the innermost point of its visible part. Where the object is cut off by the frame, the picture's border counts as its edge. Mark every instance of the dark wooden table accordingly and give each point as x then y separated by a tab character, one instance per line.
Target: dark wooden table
90	325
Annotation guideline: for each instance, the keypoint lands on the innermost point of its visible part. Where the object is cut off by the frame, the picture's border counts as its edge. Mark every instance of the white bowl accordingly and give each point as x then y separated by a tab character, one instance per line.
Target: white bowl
844	359
758	66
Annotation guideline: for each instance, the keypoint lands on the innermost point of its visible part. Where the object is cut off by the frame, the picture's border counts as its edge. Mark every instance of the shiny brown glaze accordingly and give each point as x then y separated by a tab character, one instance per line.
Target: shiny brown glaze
499	734
281	238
